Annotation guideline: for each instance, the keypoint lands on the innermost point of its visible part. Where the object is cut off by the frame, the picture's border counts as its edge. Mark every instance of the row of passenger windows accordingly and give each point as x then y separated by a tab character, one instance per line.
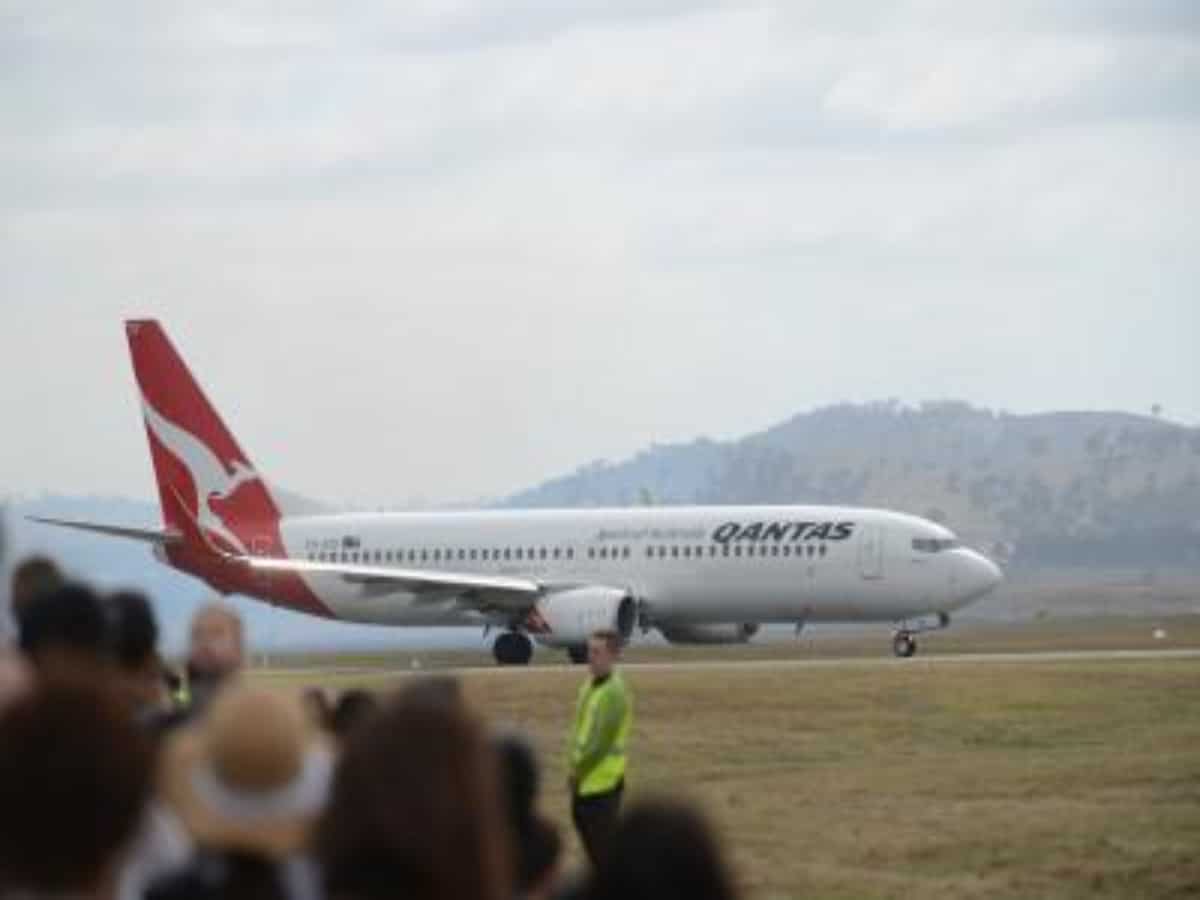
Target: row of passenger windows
437	555
560	553
737	550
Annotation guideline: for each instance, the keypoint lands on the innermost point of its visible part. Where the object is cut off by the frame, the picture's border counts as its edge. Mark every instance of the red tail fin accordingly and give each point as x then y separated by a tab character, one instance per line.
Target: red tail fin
197	461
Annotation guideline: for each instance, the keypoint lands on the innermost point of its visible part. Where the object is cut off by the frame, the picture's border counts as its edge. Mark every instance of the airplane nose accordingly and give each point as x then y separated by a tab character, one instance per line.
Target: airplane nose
979	576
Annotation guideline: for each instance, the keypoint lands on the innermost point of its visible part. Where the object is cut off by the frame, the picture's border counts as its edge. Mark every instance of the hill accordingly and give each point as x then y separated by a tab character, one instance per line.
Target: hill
1052	488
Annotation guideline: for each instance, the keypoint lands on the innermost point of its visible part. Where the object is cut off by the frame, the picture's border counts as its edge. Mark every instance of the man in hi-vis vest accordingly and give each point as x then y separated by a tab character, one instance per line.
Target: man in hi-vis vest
596	758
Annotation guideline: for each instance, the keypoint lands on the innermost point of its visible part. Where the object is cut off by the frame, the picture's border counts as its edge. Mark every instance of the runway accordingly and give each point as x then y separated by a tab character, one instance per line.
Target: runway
709	665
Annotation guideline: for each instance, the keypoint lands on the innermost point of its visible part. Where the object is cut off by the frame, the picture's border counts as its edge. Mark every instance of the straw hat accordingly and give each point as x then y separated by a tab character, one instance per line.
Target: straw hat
252	775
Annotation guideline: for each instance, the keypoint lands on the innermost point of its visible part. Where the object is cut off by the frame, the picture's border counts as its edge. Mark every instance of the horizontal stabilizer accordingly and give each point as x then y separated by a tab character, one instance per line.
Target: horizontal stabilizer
146	535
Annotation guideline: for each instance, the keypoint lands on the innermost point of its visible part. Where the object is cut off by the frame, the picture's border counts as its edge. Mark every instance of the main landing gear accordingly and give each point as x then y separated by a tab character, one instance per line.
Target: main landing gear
513	649
904	644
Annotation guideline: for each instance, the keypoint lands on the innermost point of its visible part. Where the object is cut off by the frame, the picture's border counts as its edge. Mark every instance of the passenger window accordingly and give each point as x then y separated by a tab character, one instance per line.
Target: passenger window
625	552
724	549
570	553
517	553
542	553
675	551
822	550
687	552
737	551
508	553
474	553
556	551
774	549
649	552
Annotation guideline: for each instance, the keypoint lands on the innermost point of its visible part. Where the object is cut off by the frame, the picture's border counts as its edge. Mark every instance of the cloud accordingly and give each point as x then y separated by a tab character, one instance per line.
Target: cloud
469	246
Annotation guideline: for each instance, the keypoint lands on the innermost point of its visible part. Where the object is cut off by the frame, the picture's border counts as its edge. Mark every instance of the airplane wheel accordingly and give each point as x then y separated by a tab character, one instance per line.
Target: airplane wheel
578	654
904	645
512	649
524	649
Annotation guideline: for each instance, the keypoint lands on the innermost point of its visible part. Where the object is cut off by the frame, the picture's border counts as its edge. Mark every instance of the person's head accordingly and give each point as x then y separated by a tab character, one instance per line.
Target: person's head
353	708
134	639
68	623
415	810
536	842
215	641
134	630
75	778
32	578
251	776
663	850
603	647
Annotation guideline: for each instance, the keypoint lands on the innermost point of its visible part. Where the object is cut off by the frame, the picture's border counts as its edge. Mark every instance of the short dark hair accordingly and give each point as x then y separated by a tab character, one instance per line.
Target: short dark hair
134	629
663	850
75	775
68	618
610	638
33	576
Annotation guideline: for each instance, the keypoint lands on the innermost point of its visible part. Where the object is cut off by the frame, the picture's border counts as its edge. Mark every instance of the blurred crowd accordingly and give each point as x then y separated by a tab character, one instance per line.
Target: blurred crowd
122	777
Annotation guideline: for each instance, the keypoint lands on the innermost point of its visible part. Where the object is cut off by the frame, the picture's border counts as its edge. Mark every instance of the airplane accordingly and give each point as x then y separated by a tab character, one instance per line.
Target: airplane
697	574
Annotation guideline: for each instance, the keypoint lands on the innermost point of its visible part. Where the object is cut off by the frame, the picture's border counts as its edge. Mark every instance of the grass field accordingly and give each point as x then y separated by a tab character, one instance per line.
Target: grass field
1065	779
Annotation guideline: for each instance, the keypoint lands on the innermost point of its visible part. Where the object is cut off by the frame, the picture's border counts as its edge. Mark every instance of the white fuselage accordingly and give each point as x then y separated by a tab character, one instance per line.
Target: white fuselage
686	565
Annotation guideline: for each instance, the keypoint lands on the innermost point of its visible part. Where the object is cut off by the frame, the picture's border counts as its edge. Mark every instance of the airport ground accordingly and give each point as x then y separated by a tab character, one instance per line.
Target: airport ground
948	775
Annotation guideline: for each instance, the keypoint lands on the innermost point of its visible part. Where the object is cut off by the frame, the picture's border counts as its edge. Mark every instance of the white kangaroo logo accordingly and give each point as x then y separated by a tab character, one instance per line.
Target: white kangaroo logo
209	474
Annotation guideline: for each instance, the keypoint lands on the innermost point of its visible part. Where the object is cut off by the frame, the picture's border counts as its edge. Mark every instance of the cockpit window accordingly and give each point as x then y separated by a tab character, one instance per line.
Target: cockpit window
933	545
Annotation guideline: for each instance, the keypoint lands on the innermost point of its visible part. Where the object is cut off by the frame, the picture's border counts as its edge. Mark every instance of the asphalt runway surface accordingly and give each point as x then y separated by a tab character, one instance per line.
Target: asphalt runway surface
961	659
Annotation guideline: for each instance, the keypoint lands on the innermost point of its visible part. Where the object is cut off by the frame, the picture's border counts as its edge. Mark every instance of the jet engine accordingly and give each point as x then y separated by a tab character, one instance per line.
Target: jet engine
567	618
728	633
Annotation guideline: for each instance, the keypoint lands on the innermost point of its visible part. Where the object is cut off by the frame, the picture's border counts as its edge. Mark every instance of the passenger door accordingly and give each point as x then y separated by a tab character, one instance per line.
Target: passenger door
870	552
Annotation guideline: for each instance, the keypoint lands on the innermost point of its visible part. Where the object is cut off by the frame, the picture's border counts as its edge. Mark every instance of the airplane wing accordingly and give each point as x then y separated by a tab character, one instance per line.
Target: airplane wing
148	535
488	593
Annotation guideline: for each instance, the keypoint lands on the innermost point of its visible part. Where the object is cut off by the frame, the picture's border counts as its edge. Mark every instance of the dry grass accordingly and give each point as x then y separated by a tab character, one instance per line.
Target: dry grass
934	780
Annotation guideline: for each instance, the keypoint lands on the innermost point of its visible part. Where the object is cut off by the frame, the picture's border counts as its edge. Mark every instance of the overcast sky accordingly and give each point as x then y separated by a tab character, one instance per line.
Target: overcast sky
448	253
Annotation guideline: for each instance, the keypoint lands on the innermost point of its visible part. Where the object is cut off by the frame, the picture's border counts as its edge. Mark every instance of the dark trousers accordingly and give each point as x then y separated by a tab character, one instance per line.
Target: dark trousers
595	819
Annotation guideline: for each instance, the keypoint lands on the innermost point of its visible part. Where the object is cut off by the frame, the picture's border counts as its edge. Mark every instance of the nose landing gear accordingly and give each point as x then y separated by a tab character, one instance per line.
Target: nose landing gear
512	649
904	640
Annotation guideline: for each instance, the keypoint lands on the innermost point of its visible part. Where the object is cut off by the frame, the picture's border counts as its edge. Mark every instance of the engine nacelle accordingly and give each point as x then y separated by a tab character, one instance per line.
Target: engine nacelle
568	618
728	633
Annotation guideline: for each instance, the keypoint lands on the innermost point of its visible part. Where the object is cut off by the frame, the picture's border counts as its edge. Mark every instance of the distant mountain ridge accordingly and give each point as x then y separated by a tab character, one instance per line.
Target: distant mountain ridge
1054	487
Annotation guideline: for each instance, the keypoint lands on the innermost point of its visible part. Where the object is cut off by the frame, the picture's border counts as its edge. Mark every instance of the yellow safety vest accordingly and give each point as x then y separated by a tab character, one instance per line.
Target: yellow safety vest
603	721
